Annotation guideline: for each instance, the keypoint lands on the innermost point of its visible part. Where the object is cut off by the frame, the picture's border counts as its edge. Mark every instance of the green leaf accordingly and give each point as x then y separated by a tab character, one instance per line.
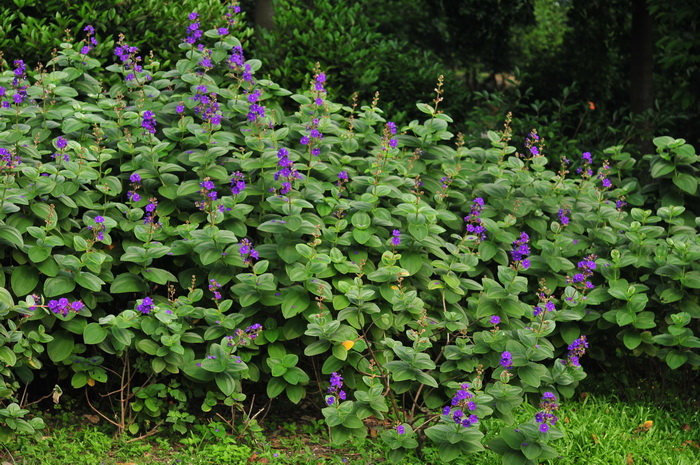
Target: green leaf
275	387
676	358
89	281
686	182
10	235
127	282
94	333
61	347
158	275
532	374
487	250
631	339
24	280
59	285
7	356
226	383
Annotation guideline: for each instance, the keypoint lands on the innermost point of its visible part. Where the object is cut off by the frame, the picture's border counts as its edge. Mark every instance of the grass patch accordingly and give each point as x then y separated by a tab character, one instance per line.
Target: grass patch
599	430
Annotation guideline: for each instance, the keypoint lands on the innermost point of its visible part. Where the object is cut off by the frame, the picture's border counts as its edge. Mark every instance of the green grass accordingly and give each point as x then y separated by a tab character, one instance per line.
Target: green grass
599	430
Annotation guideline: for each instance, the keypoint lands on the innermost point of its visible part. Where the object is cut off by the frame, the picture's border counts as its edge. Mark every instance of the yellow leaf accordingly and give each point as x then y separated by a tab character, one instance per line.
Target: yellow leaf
348	344
647	424
91	382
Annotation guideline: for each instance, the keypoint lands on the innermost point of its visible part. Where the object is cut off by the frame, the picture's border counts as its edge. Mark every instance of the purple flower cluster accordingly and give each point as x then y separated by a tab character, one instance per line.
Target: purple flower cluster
62	306
532	143
586	168
207	107
127	55
391	131
207	189
150	217
287	171
214	288
61	143
343	176
255	110
548	306
462	401
135	179
146	306
545	417
603	175
193	31
506	360
9	159
576	350
335	389
249	334
319	80
237	64
20	75
248	253
149	121
473	219
90	42
98	229
237	183
620	203
585	267
563	215
396	237
521	250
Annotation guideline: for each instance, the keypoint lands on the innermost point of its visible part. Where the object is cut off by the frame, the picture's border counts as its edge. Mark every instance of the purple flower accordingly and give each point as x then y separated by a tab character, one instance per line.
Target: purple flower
521	250
563	218
473	219
237	183
343	176
135	178
586	156
149	121
391	127
506	360
400	429
248	253
495	319
99	219
146	305
61	142
576	350
335	389
461	400
222	31
396	239
180	109
545	415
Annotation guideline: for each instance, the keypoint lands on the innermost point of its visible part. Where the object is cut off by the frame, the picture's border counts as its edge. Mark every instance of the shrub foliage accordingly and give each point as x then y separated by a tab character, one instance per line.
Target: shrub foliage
180	236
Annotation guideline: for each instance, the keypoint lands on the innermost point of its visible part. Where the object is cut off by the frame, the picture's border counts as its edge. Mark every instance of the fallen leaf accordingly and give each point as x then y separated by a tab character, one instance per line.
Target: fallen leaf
630	460
94	419
685	427
566	420
595	439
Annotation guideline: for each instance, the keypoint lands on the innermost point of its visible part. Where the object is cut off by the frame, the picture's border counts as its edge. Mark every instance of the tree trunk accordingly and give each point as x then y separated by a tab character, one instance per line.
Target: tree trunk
264	12
642	57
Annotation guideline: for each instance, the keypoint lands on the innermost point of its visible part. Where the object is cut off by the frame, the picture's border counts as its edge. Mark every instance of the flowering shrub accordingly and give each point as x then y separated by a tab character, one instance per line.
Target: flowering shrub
194	238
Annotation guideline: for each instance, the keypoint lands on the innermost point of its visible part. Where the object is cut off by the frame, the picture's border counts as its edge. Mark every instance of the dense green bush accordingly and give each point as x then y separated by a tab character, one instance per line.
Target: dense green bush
346	41
32	28
179	236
